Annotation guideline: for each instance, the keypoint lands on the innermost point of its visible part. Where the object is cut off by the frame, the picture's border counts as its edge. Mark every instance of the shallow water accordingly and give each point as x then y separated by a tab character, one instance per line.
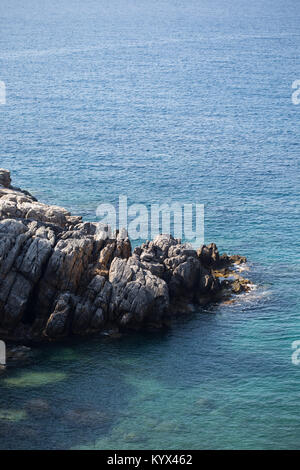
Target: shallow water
160	101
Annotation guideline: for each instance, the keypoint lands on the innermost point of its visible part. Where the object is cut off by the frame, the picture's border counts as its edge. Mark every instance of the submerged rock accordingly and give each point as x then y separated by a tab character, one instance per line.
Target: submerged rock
17	353
12	415
58	277
33	379
87	417
37	407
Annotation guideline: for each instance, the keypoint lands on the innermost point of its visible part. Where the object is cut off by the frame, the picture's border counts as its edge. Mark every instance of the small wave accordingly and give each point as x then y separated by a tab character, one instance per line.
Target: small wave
256	293
241	267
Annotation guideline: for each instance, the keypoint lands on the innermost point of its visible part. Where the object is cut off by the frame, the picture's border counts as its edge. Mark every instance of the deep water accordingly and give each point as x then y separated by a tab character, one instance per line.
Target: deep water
163	101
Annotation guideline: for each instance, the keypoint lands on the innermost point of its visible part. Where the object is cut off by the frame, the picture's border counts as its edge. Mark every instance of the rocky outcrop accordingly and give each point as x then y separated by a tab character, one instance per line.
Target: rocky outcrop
5	178
58	277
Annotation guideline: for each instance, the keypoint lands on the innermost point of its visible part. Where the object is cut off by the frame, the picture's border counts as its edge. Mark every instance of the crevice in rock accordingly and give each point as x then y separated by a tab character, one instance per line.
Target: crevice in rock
160	279
29	314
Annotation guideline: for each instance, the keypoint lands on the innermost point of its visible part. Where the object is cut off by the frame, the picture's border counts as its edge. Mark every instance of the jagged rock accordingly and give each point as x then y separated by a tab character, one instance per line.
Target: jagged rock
237	259
59	276
5	178
137	294
209	255
240	285
57	324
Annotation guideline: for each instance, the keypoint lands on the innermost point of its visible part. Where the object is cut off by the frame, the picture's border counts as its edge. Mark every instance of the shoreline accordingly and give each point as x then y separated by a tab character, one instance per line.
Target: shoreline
59	279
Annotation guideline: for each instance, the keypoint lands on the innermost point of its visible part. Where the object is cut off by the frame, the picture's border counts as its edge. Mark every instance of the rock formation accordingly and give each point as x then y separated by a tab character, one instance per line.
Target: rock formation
59	278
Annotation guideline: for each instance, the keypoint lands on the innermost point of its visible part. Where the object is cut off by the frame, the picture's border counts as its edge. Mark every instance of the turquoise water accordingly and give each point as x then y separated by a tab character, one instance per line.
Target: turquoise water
160	101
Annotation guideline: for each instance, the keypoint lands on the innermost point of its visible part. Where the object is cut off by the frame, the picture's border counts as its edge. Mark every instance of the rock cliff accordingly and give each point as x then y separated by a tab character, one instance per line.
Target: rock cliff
59	278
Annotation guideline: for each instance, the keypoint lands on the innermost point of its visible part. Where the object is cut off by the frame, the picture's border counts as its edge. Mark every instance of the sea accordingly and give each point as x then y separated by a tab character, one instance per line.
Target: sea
172	100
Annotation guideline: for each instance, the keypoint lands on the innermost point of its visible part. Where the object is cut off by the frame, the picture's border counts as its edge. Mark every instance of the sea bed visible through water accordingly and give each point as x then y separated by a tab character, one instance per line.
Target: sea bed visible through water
169	101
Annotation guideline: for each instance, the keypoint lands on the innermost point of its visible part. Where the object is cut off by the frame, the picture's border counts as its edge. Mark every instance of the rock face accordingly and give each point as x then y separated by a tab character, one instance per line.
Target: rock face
59	278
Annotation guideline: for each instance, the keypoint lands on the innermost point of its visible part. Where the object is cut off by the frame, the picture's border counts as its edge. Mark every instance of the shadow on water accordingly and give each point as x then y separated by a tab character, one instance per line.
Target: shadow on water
68	394
91	392
144	388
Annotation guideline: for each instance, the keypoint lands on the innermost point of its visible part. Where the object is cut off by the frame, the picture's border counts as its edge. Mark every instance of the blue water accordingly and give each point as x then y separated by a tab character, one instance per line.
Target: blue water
164	100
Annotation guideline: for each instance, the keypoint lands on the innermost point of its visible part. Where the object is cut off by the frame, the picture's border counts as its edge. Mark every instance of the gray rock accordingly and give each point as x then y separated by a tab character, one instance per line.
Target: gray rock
5	178
59	277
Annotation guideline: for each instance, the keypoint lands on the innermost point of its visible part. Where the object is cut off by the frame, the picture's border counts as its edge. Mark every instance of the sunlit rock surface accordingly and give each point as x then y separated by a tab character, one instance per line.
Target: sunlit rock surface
59	278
